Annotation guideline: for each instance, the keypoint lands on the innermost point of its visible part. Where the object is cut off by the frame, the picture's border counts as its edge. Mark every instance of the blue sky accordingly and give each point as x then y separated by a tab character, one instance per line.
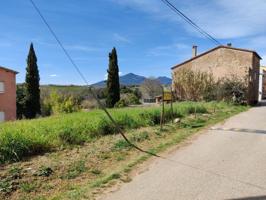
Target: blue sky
149	38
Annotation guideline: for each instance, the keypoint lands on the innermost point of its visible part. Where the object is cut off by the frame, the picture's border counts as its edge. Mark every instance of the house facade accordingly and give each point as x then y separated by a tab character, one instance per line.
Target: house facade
226	61
262	92
7	94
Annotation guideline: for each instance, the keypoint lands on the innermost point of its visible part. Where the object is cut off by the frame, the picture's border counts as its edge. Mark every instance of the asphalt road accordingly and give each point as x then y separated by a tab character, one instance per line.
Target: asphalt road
226	162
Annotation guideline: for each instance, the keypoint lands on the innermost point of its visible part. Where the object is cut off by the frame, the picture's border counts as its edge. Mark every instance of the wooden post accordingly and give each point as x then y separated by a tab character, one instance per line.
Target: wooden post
195	111
172	110
162	113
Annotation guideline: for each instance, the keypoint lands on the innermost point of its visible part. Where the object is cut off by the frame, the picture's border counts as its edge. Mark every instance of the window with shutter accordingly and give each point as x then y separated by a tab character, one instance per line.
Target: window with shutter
2	116
2	87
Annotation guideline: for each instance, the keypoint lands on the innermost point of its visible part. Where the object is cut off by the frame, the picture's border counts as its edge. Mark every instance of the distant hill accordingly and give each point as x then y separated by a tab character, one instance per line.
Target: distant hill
165	80
134	79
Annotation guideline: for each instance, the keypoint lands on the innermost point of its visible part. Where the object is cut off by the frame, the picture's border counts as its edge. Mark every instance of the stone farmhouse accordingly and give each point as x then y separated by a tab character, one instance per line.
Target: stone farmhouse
262	92
7	94
223	61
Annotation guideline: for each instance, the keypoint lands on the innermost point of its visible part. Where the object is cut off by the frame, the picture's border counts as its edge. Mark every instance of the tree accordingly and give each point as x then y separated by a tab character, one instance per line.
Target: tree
20	101
151	88
32	96
113	86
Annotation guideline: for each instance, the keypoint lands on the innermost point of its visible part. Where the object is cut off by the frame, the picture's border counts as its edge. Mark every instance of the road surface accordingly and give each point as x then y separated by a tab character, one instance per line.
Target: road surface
228	162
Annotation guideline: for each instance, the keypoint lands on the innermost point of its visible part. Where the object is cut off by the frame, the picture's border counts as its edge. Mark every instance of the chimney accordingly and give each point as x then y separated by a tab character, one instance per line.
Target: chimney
194	51
229	44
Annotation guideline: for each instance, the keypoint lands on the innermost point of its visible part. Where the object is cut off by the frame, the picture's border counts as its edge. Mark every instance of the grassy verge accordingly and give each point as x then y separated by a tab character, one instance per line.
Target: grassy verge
81	172
33	137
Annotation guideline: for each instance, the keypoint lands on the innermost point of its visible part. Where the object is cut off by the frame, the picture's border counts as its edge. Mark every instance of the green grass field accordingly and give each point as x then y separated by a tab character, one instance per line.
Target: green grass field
70	169
33	137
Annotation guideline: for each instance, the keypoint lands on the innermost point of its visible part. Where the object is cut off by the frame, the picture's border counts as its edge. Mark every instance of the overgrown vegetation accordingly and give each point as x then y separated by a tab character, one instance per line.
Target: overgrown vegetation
80	171
57	99
56	104
30	137
198	85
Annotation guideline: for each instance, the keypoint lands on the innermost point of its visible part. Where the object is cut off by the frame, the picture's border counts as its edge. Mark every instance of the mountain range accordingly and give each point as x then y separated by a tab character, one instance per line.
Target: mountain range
134	79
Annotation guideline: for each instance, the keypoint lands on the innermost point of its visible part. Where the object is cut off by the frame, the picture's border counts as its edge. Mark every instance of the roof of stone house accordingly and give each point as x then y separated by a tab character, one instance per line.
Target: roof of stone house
9	70
218	47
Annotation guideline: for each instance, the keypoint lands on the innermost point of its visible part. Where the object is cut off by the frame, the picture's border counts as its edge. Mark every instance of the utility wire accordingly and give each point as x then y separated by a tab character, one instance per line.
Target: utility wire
189	21
87	83
115	123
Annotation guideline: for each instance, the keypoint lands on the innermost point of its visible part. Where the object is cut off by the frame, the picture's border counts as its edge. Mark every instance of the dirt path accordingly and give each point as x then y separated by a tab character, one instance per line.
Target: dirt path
228	162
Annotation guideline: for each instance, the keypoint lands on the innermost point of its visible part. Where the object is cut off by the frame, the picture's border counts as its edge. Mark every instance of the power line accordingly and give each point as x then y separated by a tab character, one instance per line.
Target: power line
112	119
189	21
120	131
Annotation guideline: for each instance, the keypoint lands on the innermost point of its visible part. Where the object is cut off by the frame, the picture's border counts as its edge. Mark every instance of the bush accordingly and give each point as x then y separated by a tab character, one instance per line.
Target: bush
233	90
193	85
57	103
198	86
20	100
89	104
132	99
121	103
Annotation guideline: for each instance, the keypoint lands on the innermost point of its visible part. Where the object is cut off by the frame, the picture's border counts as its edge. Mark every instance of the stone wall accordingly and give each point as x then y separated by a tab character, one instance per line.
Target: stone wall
226	62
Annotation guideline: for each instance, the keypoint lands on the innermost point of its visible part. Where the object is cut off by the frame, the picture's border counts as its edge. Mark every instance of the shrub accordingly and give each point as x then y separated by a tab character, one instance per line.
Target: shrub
233	89
131	99
20	100
121	103
57	103
198	86
89	104
193	85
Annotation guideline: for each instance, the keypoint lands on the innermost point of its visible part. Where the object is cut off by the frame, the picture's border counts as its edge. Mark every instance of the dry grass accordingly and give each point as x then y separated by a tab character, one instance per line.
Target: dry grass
81	172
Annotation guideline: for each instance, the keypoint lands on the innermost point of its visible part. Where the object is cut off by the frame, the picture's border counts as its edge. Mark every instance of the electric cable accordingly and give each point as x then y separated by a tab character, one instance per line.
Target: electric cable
118	128
189	21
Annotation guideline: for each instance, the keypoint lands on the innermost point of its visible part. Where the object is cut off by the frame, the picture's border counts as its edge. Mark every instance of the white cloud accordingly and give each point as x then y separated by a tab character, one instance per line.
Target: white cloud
156	8
53	75
120	38
224	19
230	18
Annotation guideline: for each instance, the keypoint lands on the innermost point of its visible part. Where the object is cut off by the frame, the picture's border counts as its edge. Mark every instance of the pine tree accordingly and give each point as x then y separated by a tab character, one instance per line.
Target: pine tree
113	86
32	97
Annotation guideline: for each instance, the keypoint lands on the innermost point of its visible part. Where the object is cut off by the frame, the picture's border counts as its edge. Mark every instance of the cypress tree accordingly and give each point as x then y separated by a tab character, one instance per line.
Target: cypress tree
113	86
32	96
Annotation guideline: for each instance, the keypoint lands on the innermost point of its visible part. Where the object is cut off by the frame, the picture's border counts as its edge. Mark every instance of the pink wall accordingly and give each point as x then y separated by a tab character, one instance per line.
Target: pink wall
8	98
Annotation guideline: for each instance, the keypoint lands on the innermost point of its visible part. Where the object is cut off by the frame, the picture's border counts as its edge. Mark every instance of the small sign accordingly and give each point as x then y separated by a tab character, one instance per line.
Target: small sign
167	96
